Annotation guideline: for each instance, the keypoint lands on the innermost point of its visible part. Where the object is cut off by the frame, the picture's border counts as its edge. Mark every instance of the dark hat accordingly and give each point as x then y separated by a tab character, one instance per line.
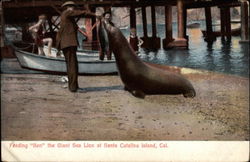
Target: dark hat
107	12
68	3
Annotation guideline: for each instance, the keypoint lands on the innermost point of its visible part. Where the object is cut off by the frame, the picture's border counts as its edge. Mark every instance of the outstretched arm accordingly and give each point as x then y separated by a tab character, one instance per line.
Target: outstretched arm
75	13
140	42
34	27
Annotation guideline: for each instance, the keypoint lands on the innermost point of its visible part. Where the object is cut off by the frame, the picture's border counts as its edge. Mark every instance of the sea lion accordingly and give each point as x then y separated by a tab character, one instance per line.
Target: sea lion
138	77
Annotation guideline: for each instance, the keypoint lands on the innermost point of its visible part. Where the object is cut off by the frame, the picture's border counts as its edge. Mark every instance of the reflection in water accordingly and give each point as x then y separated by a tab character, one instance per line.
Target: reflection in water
225	59
222	55
194	36
244	59
170	57
226	56
209	59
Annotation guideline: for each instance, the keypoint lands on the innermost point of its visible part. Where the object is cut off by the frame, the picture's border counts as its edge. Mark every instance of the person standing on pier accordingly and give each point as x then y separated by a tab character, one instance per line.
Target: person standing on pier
38	33
66	40
134	41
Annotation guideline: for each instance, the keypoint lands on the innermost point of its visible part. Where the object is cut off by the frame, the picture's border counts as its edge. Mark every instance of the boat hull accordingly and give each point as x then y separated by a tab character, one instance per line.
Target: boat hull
56	65
80	53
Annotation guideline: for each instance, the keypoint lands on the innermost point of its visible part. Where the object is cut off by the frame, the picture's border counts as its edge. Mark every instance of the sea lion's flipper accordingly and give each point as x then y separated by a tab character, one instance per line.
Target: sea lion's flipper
190	94
138	93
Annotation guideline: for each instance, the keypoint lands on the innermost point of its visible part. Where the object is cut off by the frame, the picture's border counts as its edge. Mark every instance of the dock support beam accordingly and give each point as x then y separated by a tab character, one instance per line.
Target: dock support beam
51	33
168	27
228	23
180	17
185	23
2	26
209	35
88	26
153	42
91	33
94	44
225	25
222	22
144	21
154	38
146	42
88	44
244	22
181	41
93	21
132	17
153	21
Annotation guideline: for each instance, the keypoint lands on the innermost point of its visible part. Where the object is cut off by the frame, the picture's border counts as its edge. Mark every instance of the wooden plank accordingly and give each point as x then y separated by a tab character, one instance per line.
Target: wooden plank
132	17
208	20
93	23
2	25
228	22
222	22
203	4
244	20
168	23
122	3
153	19
113	3
144	22
180	18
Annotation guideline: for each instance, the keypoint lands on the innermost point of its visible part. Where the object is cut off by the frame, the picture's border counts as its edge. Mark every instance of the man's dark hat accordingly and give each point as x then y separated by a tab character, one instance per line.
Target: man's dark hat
107	12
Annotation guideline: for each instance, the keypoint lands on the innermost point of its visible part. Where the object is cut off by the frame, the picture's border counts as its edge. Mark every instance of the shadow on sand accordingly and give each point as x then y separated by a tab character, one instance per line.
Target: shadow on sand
97	89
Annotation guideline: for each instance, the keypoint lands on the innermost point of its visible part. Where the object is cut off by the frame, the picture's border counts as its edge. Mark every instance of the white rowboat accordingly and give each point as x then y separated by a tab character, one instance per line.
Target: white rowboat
56	65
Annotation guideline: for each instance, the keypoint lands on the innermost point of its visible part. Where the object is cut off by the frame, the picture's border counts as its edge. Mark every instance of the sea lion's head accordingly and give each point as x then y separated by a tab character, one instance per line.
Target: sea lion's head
108	26
113	32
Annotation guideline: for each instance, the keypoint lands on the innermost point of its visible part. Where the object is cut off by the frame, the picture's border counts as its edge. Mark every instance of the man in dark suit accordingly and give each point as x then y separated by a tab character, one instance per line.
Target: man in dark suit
66	40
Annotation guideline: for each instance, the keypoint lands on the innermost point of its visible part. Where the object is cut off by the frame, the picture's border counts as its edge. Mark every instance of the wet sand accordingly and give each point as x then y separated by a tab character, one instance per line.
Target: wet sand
37	107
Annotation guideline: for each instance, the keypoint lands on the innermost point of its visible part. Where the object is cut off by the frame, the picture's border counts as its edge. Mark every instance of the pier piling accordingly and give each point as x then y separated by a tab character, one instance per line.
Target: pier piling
132	17
209	36
180	41
146	42
168	27
222	22
23	9
228	23
244	21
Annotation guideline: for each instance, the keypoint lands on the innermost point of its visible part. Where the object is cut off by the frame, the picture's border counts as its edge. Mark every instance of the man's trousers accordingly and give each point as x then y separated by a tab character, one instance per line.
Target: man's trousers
72	67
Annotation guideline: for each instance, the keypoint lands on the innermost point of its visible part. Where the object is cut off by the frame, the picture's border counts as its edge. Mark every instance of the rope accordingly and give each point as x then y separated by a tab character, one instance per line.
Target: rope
19	48
23	48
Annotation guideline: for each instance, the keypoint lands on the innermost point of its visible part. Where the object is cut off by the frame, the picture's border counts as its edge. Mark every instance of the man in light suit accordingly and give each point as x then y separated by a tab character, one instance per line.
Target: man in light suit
66	40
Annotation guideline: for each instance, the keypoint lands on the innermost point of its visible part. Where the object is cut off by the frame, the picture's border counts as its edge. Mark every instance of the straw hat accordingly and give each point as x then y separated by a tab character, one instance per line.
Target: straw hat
68	3
42	16
133	30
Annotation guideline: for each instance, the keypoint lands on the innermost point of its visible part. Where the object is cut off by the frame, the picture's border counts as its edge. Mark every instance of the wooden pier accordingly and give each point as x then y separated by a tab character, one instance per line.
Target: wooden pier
24	11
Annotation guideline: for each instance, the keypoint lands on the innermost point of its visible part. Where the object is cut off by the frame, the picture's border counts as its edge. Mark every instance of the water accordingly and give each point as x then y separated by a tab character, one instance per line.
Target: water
230	57
221	56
